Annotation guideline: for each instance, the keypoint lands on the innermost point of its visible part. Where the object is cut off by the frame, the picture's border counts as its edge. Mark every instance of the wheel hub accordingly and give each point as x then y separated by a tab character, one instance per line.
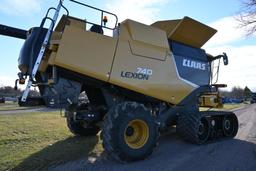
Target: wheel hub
230	125
129	131
227	124
201	129
136	134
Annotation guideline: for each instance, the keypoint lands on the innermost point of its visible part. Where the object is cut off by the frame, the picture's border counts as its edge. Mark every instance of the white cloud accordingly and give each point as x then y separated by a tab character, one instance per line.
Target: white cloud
241	70
145	11
6	81
20	7
10	81
229	31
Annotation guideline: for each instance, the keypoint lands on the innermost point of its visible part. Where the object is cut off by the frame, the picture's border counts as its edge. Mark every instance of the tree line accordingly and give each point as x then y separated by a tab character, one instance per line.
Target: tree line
238	93
8	91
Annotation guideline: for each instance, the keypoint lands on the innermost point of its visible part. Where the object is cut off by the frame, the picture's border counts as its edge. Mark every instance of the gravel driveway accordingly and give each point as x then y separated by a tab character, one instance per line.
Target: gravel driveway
238	154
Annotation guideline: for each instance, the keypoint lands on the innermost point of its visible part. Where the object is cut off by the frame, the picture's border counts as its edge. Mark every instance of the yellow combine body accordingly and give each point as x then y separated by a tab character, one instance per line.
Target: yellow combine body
134	46
138	82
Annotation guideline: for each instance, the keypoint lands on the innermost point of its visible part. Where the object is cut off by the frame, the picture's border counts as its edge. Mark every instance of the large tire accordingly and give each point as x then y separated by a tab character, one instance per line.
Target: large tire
80	128
129	132
230	125
189	127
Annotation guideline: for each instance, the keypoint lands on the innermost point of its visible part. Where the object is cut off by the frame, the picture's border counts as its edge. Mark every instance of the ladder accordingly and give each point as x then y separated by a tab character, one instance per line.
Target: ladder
43	47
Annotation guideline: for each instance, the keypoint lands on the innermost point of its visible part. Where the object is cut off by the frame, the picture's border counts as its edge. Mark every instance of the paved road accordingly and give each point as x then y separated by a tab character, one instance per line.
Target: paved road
238	154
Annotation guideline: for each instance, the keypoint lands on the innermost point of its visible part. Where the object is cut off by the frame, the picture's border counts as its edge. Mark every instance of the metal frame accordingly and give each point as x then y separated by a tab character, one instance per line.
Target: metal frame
43	47
48	35
215	73
102	14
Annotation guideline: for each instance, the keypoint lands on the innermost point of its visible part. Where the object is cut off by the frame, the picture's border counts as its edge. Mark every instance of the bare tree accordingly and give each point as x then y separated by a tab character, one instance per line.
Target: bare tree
248	16
8	91
247	92
236	92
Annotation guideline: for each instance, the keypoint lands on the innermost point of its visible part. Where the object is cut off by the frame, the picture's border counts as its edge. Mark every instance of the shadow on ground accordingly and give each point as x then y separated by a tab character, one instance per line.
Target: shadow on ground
70	149
174	154
76	154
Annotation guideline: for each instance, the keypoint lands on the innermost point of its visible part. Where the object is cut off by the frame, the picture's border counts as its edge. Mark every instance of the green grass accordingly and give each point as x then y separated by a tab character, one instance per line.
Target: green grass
225	107
10	106
36	141
233	106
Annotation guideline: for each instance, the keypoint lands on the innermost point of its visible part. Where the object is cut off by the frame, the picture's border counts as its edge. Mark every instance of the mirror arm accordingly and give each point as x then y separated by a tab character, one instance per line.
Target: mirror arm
224	56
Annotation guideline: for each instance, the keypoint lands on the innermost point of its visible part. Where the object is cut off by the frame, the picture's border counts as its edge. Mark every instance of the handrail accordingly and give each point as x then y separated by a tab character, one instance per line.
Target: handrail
102	13
33	71
215	74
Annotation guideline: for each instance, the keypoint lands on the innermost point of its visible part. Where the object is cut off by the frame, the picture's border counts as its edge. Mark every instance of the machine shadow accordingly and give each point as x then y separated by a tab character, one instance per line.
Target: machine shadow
63	151
74	153
175	154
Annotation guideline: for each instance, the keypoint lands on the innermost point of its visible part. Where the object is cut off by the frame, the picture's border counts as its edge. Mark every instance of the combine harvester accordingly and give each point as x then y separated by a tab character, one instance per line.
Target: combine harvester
139	82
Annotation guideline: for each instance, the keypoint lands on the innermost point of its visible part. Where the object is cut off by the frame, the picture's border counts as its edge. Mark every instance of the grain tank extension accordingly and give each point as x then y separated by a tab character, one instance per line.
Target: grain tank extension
139	82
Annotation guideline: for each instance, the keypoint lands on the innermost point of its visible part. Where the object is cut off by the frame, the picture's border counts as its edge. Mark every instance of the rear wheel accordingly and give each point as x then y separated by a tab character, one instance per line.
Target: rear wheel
230	125
136	134
193	128
129	132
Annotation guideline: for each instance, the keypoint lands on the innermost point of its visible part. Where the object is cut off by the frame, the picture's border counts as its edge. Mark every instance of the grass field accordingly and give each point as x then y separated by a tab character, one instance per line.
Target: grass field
225	107
10	106
233	106
36	141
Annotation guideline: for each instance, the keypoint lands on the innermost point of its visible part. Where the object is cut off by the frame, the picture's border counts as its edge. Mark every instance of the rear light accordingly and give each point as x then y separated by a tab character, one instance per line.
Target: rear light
22	81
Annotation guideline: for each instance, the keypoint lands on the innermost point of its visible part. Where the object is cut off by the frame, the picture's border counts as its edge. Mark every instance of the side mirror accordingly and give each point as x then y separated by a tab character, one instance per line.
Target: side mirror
225	59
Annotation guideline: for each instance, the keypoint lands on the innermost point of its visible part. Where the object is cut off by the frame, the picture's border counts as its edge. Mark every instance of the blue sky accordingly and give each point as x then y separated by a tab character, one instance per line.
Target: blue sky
218	14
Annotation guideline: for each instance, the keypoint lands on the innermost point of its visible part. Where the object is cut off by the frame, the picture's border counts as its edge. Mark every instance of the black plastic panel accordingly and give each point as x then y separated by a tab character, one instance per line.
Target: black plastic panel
31	47
192	63
60	94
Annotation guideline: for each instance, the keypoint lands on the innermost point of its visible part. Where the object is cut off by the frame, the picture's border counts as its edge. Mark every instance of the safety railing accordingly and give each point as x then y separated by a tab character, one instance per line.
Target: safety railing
102	15
215	72
33	71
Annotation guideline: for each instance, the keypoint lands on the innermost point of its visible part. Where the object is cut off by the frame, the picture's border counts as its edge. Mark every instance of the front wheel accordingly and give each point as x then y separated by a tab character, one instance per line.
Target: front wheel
129	132
82	129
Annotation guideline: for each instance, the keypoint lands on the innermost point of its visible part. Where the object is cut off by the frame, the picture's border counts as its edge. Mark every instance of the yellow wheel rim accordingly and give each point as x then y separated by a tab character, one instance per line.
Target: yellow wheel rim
136	134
